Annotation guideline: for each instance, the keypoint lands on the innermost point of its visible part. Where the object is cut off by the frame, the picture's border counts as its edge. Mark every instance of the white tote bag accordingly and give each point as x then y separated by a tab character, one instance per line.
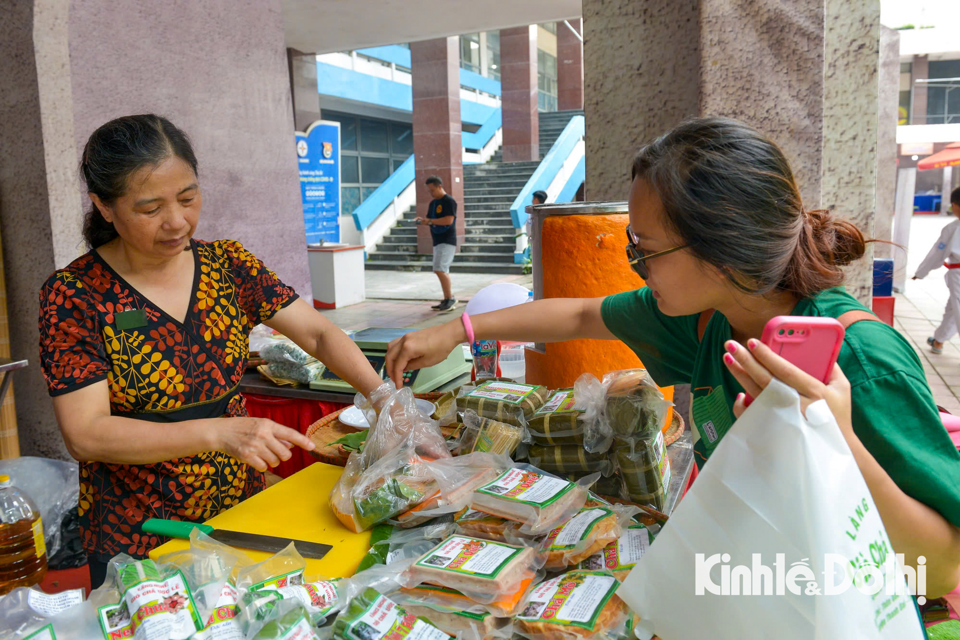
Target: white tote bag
781	513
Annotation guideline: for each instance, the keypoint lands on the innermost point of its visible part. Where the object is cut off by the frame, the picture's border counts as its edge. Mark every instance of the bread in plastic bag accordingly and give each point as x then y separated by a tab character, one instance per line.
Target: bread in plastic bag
558	421
577	604
538	500
594	527
486	435
622	555
508	402
484	571
373	616
455	479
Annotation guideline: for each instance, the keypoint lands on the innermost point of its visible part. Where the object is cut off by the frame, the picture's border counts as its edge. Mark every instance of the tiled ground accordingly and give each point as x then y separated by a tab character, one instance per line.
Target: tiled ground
402	299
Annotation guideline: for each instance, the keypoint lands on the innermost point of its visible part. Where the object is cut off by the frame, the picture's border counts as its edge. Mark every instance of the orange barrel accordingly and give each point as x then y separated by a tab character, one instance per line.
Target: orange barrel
578	250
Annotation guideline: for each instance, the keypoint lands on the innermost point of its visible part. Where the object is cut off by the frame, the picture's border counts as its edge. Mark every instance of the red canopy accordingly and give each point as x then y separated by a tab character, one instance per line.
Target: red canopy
948	157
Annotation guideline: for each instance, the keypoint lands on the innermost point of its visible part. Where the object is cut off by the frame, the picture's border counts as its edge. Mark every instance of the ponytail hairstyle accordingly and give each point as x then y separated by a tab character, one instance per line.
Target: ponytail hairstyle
116	151
729	195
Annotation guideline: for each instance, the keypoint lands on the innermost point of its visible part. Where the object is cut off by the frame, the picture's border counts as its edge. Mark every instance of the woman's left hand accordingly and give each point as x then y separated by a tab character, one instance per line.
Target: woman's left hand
756	365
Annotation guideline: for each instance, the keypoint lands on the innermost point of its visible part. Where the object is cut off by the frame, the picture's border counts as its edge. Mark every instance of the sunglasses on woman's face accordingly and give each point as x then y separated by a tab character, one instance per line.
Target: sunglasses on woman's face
636	257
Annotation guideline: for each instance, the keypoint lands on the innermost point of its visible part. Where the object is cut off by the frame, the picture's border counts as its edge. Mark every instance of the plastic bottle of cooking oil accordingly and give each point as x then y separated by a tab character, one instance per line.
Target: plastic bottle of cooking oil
23	553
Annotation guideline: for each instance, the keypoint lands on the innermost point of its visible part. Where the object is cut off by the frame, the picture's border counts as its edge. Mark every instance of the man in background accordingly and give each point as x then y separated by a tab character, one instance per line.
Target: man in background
441	217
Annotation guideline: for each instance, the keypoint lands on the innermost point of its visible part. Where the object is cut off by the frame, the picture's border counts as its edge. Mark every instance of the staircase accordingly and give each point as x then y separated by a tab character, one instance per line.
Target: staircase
488	191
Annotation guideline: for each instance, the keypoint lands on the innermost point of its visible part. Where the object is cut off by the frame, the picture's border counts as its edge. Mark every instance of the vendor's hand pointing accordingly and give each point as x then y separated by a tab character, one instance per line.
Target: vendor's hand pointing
259	442
756	366
422	349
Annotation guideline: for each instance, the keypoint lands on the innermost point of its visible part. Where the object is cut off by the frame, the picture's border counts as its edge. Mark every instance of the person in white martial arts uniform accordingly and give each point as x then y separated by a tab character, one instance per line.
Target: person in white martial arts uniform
946	252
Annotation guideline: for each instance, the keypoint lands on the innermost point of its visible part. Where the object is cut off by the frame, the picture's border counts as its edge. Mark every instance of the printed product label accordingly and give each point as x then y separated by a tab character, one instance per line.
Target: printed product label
663	460
153	610
285	580
49	605
577	529
222	624
527	487
622	554
470	556
484	354
558	402
575	599
43	633
384	618
317	597
502	392
38	540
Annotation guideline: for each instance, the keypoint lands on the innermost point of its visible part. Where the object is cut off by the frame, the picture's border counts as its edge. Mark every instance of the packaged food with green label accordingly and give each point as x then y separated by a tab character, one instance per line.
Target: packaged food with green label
372	616
465	625
486	435
589	531
477	524
536	499
559	421
279	570
288	620
577	604
508	402
483	570
621	555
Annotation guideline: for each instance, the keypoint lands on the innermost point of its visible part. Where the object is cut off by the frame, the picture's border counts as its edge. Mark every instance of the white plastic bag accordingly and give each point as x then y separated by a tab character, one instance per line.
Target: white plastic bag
778	483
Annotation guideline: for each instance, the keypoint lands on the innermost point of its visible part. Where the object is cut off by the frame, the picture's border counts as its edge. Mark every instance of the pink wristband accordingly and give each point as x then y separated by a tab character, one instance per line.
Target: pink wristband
468	328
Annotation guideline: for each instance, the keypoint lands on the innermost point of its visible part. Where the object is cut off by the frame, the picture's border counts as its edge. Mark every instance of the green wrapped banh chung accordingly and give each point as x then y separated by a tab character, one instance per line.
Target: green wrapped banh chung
508	402
633	405
557	422
645	469
569	460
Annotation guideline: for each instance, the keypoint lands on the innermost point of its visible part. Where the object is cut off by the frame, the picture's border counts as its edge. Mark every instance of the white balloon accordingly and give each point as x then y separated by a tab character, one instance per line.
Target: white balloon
497	296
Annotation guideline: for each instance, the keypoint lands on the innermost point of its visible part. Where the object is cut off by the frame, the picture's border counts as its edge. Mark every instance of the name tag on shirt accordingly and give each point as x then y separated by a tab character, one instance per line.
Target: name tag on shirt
132	319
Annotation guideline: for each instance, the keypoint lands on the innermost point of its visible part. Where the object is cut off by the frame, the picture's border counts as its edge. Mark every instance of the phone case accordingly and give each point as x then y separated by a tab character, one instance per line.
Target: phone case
810	343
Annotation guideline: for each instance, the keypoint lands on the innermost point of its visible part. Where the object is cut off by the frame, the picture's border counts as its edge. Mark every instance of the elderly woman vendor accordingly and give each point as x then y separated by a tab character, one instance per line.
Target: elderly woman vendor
144	341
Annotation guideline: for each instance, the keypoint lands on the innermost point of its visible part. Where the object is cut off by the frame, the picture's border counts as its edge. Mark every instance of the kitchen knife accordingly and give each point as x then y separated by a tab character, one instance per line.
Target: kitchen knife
255	541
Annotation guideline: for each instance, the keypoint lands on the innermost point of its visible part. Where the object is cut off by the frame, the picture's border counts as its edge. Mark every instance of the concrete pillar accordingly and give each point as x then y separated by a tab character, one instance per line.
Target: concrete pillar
569	66
850	120
641	77
920	70
67	71
436	125
519	92
303	88
903	216
785	69
889	105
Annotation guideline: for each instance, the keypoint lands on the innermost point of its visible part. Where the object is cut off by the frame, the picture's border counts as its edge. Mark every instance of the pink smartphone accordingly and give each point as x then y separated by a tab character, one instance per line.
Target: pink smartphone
810	343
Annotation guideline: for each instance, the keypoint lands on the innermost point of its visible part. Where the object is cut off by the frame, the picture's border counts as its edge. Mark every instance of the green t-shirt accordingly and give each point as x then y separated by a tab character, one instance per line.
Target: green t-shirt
894	413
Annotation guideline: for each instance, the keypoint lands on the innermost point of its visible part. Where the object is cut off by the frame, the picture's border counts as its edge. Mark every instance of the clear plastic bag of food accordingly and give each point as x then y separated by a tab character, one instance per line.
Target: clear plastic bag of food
578	604
390	486
283	351
477	524
456	479
154	603
484	571
282	569
560	421
622	555
24	610
410	544
371	615
570	460
538	500
397	421
455	620
594	527
634	408
644	468
508	402
283	619
486	435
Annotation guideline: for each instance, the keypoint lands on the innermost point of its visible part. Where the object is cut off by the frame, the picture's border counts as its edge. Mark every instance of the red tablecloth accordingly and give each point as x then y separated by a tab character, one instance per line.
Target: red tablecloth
296	414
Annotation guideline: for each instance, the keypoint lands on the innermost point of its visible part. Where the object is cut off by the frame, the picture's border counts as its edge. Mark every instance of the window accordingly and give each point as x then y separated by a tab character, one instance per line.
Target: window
370	151
470	52
493	55
943	92
549	26
906	92
547	81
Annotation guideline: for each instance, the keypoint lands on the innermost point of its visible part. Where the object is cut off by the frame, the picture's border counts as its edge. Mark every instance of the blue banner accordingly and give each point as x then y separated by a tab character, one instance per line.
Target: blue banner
318	154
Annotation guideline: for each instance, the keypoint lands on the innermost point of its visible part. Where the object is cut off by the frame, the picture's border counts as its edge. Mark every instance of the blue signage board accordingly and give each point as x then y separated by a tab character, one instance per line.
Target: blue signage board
318	155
